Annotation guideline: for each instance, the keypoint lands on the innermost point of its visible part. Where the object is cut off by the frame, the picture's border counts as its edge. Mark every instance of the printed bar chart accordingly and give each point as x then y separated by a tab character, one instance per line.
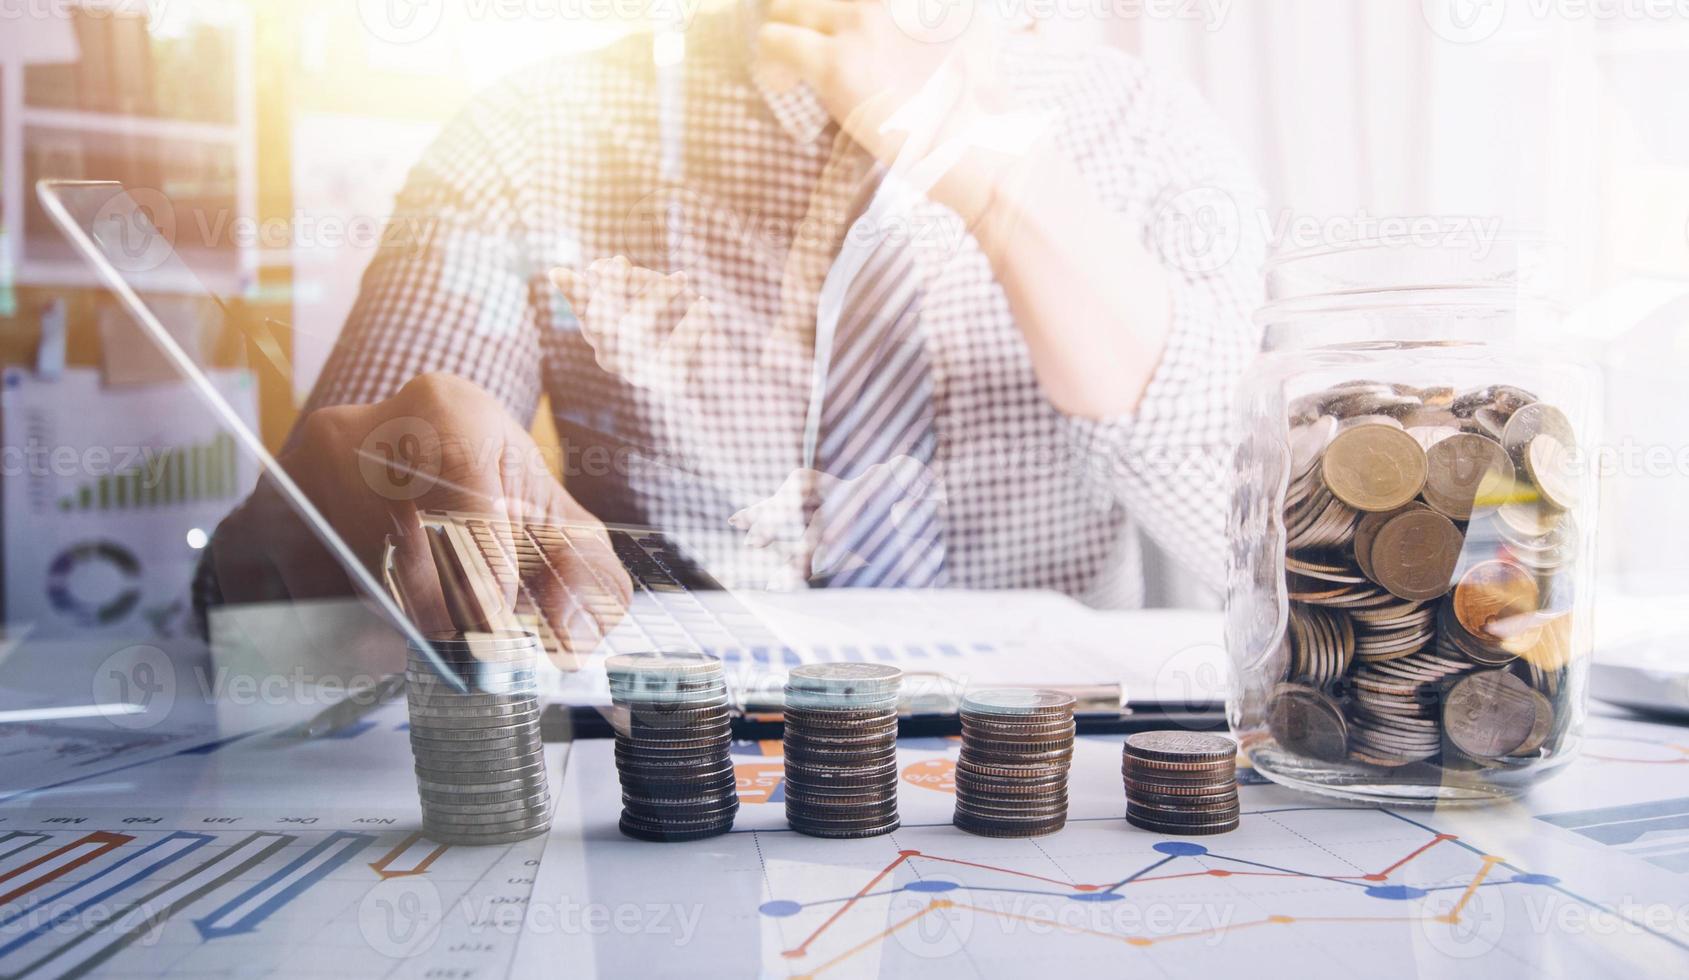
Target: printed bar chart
179	475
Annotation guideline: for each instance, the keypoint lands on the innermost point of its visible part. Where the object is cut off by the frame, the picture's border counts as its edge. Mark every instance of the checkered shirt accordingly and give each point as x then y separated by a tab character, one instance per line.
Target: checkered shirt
562	165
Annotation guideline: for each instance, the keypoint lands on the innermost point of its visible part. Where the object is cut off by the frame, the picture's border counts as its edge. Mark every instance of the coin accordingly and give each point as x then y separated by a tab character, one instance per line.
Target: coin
1366	531
1541	728
673	745
1011	776
479	762
841	739
1182	828
1494	600
1415	554
1549	463
1304	720
853	678
1466	473
664	834
1374	467
1182	747
1531	421
1490	714
1017	701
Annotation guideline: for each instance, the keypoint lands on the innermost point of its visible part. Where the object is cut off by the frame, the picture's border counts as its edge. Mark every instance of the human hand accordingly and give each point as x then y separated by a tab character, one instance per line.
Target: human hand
821	546
933	109
643	326
441	443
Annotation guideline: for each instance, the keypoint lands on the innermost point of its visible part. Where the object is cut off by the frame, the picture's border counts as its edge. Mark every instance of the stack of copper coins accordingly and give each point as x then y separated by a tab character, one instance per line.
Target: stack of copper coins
673	746
480	766
1011	779
1181	782
841	749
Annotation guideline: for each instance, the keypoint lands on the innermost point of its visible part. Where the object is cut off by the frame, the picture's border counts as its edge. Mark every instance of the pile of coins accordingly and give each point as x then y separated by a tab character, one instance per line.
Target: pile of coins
1429	536
480	765
1181	782
841	749
1011	778
673	746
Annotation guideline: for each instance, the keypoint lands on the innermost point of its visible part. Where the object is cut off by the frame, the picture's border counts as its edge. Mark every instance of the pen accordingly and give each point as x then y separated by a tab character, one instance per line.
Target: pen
349	709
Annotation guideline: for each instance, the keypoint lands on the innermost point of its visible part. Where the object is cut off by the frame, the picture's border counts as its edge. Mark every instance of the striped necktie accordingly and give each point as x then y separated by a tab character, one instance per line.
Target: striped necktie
877	511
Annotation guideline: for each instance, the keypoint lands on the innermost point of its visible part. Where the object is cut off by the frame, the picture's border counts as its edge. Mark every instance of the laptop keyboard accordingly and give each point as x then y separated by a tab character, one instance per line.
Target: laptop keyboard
666	613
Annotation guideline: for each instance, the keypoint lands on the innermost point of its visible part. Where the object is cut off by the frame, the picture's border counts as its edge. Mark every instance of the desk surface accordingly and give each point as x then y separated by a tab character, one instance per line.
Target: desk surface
260	856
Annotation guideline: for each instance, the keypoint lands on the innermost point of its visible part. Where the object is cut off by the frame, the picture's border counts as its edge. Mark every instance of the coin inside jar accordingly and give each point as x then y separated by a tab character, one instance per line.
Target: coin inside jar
1467	473
1531	421
1490	714
1549	463
1374	467
1306	721
1496	599
1415	554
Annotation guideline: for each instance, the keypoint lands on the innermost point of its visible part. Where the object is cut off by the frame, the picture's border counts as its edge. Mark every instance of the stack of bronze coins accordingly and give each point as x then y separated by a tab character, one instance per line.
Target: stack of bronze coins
1011	779
673	746
480	766
1430	542
1181	782
841	749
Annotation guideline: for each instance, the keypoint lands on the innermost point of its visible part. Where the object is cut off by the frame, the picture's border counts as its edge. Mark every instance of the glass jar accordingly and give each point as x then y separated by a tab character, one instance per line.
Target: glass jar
1410	582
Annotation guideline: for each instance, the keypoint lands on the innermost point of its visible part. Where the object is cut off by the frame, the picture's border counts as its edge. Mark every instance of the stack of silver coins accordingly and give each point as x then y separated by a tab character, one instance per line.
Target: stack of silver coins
480	765
1011	779
1181	782
841	749
673	746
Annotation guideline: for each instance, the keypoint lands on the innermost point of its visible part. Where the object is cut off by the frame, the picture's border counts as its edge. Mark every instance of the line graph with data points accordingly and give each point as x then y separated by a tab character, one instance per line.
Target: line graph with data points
1391	893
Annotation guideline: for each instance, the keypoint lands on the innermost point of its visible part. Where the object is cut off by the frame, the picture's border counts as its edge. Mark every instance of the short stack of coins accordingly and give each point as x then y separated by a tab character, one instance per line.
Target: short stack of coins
1181	783
673	746
1429	542
841	749
1011	778
480	765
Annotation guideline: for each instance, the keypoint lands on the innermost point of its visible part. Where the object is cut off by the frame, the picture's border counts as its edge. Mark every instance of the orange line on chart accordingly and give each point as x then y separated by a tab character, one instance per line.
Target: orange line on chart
1139	941
1433	842
1490	861
871	940
1017	917
800	948
1009	871
384	867
903	856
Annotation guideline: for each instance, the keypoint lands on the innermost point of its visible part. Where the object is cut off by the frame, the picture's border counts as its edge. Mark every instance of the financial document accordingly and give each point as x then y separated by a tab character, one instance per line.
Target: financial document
1340	890
972	638
254	855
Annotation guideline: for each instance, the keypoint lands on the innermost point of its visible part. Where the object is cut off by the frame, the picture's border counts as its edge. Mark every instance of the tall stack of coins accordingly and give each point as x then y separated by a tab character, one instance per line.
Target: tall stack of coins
673	746
841	749
480	766
1011	779
1181	782
1428	539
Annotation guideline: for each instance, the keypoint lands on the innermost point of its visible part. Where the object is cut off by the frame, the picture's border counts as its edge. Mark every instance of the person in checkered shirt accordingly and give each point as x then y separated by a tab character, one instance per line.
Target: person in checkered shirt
647	240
